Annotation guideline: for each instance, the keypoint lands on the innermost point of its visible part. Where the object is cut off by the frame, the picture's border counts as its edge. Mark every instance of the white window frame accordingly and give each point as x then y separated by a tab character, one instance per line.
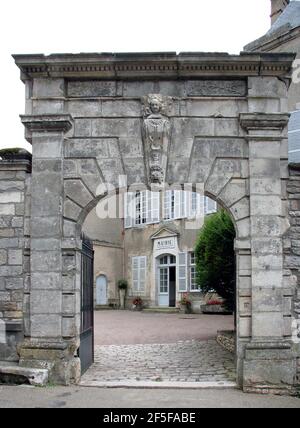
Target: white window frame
191	267
148	212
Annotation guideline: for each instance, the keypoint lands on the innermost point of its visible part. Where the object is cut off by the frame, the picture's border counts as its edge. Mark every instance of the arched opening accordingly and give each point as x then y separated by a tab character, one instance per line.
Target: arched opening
155	256
101	291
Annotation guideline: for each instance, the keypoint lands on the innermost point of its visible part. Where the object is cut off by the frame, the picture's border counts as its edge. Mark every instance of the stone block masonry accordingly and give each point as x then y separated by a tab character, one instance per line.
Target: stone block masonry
15	174
84	114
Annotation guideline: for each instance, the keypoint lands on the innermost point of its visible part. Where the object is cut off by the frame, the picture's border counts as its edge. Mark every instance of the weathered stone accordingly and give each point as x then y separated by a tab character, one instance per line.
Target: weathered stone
50	147
71	210
46	227
46	87
45	281
92	89
45	325
7	209
10	270
17	222
15	257
46	261
14	283
3	257
77	192
68	304
47	302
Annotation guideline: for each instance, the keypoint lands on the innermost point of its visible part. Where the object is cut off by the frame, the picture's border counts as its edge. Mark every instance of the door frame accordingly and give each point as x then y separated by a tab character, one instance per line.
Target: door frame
167	266
98	277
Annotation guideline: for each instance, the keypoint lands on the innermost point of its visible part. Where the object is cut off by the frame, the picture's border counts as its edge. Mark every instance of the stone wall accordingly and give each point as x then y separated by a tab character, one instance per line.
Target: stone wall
84	117
14	211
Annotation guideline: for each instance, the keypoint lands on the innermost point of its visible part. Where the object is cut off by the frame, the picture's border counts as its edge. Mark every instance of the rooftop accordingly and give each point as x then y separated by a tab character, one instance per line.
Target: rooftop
288	21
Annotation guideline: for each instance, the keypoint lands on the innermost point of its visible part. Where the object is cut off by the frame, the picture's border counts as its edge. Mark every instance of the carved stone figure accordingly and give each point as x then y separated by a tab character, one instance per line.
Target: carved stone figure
156	135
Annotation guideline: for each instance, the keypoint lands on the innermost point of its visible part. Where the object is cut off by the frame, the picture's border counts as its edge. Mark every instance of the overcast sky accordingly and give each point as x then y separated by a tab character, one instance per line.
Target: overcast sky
37	26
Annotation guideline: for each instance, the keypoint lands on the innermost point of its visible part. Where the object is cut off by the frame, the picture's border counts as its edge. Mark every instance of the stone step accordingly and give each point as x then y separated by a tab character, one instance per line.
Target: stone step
11	373
159	309
100	307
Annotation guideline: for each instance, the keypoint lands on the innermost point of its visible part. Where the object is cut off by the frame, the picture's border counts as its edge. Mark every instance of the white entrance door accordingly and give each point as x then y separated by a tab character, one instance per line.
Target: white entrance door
101	290
163	291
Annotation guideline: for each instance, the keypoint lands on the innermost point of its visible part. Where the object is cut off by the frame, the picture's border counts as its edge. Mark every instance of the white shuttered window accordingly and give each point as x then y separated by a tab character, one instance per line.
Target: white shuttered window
141	208
139	266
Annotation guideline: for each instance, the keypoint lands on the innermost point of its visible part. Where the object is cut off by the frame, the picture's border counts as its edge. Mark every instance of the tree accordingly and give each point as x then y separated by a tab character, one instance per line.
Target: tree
215	259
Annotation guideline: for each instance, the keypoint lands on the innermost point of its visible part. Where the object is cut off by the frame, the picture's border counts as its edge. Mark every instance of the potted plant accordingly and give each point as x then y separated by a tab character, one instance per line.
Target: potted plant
185	304
138	303
122	286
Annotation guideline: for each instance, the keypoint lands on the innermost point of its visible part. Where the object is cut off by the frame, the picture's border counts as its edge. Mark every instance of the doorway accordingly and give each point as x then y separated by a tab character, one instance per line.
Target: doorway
101	290
167	281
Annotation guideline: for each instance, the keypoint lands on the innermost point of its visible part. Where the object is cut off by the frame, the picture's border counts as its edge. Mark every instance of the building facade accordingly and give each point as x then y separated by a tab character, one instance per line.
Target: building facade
152	247
284	36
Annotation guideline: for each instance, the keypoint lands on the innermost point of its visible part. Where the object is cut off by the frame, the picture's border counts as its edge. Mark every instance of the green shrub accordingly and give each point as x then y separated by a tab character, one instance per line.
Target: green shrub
122	284
215	258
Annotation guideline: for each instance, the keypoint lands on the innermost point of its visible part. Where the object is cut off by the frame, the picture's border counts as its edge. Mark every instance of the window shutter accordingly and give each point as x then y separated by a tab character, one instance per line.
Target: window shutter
167	204
135	274
184	203
210	206
139	267
148	207
294	137
177	204
142	273
128	209
155	217
200	205
182	272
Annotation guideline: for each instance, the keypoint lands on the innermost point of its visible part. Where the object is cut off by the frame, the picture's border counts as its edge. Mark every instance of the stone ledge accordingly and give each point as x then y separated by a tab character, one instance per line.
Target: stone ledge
16	374
167	64
257	121
47	123
161	385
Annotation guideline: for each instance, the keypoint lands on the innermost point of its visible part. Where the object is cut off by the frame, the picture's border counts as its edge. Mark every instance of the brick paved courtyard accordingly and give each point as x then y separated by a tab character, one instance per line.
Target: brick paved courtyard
197	359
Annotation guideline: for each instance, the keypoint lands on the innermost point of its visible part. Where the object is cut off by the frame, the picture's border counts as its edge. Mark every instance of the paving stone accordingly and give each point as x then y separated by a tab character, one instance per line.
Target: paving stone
188	361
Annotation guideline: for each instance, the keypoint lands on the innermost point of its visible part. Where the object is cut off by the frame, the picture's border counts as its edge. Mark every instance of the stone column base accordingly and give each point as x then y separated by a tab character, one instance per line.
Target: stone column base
269	367
58	357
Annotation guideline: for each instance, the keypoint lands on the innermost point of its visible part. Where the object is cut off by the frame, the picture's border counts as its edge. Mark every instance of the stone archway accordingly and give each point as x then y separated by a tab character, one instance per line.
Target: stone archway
225	128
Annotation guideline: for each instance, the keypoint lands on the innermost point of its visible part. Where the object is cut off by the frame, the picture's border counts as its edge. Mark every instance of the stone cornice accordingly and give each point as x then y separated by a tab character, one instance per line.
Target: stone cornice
47	123
267	121
15	165
153	65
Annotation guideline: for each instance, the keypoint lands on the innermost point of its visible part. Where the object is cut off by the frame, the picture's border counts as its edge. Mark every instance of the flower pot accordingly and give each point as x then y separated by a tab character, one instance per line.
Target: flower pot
185	309
122	294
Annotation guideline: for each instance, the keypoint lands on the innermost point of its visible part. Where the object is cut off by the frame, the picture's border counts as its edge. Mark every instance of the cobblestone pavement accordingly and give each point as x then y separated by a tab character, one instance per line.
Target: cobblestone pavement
184	361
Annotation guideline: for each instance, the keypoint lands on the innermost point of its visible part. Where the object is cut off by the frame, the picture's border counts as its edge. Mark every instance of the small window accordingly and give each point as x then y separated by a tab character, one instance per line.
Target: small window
163	280
172	260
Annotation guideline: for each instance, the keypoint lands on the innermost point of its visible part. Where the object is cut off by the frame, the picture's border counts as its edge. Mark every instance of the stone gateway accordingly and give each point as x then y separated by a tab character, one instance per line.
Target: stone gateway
214	119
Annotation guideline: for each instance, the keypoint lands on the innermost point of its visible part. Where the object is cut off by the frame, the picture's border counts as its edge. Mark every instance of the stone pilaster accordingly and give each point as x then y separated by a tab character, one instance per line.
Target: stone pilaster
269	363
46	347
